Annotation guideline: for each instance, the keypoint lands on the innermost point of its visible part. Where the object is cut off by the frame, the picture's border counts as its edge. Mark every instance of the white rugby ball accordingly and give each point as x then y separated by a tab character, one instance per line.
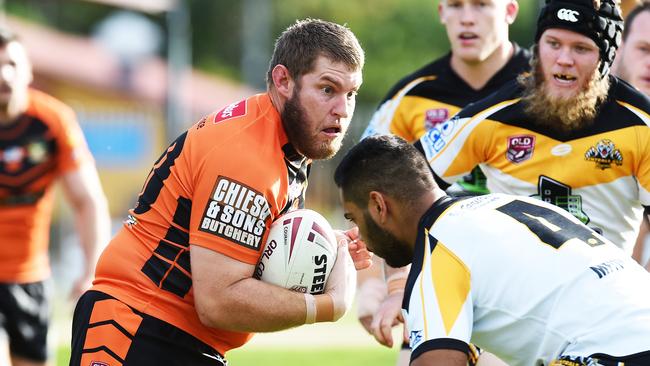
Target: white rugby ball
299	252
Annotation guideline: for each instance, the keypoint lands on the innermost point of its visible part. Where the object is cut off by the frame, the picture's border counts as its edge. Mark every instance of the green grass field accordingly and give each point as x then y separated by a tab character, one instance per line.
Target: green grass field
288	356
343	343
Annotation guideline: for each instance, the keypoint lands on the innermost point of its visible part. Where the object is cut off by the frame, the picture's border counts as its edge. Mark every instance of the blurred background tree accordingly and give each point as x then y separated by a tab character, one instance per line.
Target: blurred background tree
397	35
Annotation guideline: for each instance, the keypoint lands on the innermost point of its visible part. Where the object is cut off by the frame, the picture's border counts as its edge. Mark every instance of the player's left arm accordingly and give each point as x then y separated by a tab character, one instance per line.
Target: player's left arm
83	191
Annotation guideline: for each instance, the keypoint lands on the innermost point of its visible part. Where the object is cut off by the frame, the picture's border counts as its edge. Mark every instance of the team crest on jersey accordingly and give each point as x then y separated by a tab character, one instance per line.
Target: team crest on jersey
434	117
236	212
231	111
13	158
520	148
604	154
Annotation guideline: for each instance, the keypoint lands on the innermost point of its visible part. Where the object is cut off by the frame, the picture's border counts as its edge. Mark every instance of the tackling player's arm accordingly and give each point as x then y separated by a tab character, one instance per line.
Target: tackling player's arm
389	313
83	192
226	295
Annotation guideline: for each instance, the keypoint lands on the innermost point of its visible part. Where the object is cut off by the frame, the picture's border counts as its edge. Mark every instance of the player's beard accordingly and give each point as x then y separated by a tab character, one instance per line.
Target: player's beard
384	244
297	126
562	114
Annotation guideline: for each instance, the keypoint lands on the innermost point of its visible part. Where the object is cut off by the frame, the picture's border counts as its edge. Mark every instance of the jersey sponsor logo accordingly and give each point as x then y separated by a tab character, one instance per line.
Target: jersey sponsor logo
604	154
559	194
415	338
434	117
37	152
520	148
561	150
97	363
236	212
568	15
231	111
201	123
608	267
435	139
130	221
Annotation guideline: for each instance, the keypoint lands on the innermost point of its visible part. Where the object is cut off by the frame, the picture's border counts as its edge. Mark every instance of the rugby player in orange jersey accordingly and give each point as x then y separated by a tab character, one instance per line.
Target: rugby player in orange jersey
175	286
40	143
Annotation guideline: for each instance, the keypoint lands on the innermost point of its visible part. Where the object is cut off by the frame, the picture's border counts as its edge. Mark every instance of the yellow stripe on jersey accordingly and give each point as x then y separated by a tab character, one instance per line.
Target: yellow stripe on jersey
425	259
477	118
410	117
570	166
451	281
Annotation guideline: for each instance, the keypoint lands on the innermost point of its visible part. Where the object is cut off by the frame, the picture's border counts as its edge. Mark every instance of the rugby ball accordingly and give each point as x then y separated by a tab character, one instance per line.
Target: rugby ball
299	252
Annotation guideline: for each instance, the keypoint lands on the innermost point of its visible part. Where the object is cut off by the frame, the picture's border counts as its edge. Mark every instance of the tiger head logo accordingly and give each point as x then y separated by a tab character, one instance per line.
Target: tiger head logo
604	154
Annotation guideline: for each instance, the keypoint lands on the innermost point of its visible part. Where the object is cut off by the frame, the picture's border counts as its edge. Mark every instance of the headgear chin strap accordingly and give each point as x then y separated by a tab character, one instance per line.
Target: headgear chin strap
604	26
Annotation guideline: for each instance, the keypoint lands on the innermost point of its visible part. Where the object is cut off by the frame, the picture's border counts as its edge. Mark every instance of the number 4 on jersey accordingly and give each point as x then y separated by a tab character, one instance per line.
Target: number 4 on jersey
549	226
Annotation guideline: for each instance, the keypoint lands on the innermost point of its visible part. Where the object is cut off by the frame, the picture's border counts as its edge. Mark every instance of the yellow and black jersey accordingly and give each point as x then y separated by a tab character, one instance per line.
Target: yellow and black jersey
528	282
601	173
433	94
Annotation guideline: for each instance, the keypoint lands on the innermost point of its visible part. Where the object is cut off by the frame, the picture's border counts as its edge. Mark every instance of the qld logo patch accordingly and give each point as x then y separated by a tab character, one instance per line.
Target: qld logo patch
231	111
236	212
434	117
520	148
604	154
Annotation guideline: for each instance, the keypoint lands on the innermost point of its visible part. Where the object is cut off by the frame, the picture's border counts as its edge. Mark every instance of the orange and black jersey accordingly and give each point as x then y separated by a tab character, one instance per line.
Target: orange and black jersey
433	94
44	143
218	186
600	173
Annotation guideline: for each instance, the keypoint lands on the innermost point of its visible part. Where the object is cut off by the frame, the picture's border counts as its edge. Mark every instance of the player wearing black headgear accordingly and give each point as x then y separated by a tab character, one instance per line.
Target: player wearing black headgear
603	25
568	133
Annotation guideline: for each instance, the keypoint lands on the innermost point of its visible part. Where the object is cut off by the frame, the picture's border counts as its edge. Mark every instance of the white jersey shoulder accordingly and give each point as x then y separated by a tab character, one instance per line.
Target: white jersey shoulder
527	281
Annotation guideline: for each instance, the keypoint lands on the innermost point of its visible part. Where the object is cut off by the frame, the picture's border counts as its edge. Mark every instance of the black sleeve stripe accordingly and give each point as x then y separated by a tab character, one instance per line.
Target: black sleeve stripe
441	183
439	343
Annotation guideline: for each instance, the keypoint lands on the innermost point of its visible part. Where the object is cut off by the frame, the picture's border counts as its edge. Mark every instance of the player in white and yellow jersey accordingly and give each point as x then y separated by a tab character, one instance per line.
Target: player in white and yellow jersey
519	277
568	134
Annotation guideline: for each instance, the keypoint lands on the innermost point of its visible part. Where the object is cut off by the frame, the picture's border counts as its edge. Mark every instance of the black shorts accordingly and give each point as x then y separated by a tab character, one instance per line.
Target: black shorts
25	317
600	359
105	331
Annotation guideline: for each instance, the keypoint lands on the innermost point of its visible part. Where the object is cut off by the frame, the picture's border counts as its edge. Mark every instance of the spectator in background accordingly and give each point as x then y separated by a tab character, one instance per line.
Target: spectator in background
481	60
175	285
633	65
40	144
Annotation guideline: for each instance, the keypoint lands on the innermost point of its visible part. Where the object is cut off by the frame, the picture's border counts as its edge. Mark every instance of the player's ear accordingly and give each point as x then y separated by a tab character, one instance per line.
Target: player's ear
441	12
512	9
377	207
282	80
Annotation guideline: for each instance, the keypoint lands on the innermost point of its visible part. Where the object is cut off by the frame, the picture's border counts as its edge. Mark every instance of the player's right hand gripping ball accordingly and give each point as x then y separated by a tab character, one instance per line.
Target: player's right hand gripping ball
299	252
